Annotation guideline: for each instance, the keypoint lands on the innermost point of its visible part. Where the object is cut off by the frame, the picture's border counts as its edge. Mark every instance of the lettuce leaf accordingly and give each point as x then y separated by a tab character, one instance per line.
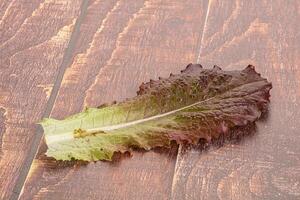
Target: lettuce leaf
195	104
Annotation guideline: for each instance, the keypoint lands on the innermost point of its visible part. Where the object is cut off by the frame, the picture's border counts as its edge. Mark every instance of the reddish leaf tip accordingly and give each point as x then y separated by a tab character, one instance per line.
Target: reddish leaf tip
192	68
249	68
216	67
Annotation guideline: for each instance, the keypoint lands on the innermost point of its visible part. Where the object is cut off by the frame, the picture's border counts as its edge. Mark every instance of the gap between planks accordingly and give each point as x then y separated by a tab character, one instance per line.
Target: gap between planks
66	60
176	167
18	188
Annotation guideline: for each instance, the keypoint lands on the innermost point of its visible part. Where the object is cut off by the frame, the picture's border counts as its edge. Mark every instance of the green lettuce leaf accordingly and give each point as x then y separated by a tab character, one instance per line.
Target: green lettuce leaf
195	104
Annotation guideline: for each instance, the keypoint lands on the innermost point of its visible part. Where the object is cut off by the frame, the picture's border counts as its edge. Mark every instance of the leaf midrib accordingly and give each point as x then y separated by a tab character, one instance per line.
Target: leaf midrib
69	135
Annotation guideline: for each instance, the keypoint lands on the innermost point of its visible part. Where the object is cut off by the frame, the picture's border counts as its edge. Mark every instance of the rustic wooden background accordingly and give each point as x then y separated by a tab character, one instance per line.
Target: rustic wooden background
58	56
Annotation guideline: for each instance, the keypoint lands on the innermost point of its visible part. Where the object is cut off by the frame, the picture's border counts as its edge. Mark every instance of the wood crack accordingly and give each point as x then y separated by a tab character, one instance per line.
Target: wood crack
177	166
39	133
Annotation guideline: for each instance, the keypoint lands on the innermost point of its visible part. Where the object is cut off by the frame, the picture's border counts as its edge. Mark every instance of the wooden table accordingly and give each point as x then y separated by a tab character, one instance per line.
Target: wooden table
59	56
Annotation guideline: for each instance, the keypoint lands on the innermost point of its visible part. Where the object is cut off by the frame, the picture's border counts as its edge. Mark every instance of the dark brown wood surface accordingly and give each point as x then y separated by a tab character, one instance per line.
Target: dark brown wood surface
33	38
58	57
265	164
117	49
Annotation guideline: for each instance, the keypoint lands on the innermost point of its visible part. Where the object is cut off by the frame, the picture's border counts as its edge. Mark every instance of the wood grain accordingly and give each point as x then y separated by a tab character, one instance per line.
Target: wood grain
121	44
33	37
265	165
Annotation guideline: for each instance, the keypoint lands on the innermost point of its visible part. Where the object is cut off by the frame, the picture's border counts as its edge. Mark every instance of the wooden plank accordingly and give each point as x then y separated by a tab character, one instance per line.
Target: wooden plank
118	49
33	37
266	164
